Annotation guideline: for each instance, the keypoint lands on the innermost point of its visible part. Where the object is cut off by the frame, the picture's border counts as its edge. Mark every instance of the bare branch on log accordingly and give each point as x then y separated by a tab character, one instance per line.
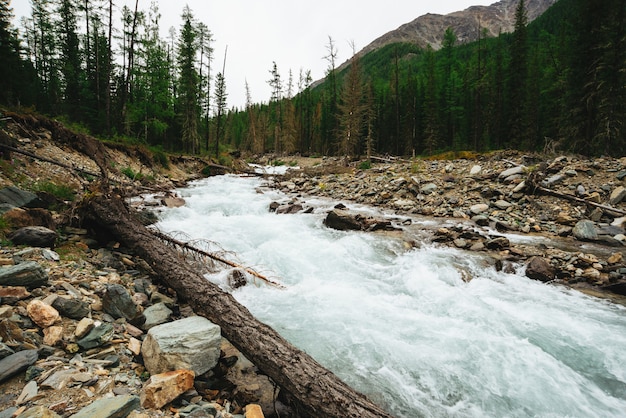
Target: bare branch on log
213	256
316	391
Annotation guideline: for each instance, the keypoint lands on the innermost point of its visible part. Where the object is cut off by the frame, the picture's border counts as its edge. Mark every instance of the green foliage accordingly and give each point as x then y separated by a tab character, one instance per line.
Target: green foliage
206	171
131	174
60	191
365	165
161	158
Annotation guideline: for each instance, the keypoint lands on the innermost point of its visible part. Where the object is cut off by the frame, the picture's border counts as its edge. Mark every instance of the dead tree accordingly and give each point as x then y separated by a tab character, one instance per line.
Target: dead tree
316	391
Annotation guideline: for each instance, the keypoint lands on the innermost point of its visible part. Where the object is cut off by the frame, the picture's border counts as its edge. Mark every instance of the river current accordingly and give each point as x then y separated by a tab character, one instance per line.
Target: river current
401	325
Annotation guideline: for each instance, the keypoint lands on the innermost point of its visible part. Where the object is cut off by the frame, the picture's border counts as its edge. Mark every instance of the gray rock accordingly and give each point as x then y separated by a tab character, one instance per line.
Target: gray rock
479	208
621	175
502	204
156	315
29	274
429	188
617	195
475	170
585	230
553	180
71	308
538	268
118	302
98	336
16	363
192	343
19	198
34	236
520	169
5	350
115	407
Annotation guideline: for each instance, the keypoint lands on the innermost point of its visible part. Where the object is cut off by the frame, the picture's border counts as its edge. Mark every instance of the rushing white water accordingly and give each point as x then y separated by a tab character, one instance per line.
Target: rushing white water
403	327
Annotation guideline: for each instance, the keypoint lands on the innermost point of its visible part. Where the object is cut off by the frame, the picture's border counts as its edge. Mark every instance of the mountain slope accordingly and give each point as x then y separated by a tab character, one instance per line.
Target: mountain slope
429	29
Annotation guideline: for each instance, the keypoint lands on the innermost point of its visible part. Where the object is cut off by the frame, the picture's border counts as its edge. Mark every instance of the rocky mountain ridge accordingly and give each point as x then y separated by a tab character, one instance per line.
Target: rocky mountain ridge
429	29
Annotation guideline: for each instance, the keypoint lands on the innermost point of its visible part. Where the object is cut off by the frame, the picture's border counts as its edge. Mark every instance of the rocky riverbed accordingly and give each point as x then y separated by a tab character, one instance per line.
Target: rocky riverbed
563	216
76	311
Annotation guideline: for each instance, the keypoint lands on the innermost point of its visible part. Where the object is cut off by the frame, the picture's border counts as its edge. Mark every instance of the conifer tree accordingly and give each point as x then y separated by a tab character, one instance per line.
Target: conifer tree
71	59
188	108
517	82
351	109
9	56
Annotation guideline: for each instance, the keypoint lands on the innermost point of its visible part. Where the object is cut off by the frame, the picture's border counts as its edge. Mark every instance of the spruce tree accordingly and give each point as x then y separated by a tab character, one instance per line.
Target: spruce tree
188	108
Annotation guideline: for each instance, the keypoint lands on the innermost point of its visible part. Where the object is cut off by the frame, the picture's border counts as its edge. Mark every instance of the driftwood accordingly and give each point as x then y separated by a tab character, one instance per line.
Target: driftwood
534	187
186	246
316	392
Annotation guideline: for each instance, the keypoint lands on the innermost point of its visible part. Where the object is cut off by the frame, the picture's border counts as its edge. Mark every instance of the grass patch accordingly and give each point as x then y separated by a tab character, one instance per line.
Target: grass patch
60	191
131	174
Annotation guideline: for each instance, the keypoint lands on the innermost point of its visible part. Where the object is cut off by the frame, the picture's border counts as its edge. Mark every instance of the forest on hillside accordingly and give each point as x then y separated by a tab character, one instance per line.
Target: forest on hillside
558	83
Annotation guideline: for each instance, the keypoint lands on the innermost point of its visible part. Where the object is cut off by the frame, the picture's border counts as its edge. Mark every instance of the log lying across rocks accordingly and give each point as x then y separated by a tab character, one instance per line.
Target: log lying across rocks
316	391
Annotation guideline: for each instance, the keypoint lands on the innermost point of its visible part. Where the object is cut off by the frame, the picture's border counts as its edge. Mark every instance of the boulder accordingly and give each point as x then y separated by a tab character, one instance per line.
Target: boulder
97	336
29	274
118	302
117	406
289	209
192	343
585	230
71	307
342	221
163	388
16	363
156	314
34	236
538	268
515	171
17	198
42	314
479	208
617	195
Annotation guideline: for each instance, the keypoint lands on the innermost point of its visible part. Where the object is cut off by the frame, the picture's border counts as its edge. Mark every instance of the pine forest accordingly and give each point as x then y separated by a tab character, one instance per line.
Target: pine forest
555	84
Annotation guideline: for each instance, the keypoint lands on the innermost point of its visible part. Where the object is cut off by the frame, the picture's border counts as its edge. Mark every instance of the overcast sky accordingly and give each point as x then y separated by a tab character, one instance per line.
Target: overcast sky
292	33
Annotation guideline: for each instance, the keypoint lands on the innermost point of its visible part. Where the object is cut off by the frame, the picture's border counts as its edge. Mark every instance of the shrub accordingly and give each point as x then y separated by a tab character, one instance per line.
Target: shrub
365	165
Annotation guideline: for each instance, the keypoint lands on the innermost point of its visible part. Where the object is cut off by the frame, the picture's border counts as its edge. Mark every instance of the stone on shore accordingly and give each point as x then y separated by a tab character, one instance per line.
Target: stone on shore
34	236
163	388
118	302
29	274
16	363
117	406
42	314
585	230
538	268
192	343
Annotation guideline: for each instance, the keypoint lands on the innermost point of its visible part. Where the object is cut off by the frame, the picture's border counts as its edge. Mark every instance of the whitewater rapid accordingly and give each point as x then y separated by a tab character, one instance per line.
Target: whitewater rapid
402	326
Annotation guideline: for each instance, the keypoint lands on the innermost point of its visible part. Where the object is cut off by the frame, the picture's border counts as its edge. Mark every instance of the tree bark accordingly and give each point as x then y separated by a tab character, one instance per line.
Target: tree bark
317	391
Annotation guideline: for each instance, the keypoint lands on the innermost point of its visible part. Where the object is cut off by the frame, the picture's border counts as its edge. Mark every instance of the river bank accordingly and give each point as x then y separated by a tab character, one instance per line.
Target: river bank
574	209
478	203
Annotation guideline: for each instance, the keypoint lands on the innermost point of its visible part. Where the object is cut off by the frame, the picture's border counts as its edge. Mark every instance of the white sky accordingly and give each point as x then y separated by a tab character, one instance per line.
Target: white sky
292	33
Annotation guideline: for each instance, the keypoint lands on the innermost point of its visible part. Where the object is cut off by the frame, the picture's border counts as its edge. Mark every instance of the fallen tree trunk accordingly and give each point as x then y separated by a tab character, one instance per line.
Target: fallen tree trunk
316	391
